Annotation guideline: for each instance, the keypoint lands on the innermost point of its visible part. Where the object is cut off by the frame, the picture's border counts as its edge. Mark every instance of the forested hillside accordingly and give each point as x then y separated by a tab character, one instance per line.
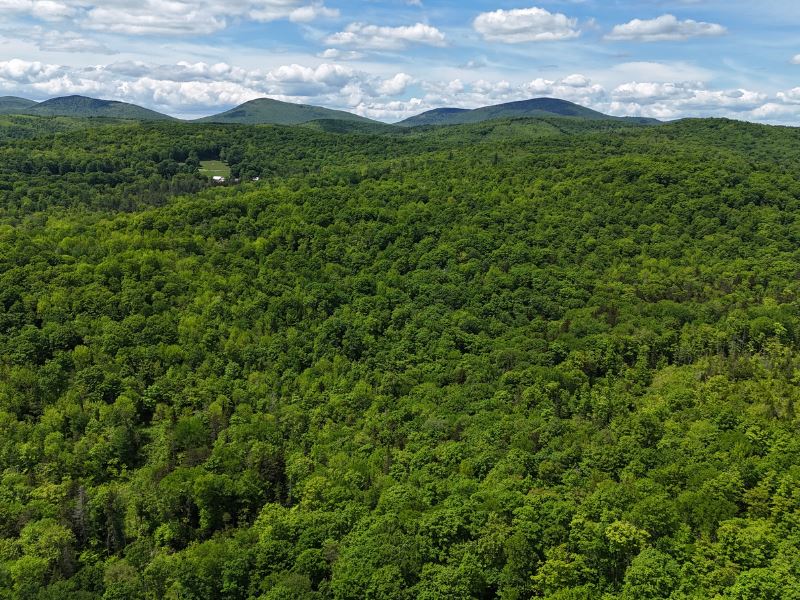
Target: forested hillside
268	111
533	358
535	107
83	106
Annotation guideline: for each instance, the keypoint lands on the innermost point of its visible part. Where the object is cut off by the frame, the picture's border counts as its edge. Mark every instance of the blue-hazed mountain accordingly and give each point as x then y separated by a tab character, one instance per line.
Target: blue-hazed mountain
263	111
536	107
82	106
10	105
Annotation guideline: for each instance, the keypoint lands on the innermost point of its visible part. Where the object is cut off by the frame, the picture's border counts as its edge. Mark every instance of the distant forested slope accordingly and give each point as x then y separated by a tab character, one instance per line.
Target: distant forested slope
13	104
263	111
535	107
84	107
518	359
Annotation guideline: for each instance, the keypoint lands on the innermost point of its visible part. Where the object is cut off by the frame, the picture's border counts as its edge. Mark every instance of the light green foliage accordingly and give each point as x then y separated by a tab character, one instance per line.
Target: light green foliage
519	359
210	168
652	574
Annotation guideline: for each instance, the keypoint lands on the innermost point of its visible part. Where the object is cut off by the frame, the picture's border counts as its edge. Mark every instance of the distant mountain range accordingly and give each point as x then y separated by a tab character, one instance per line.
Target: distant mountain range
10	105
265	111
537	107
81	106
275	112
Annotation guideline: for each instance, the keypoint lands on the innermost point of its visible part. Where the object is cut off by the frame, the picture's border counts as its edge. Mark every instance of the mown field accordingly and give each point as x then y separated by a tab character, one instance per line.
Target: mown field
212	168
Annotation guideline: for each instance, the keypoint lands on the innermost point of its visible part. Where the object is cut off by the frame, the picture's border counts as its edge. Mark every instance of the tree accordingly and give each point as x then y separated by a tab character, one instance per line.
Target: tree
652	574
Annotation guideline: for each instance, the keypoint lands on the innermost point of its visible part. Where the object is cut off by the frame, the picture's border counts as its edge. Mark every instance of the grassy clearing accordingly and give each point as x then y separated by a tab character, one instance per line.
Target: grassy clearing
210	168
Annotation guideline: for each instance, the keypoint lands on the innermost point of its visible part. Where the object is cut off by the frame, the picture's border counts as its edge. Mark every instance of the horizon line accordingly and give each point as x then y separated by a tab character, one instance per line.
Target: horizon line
222	108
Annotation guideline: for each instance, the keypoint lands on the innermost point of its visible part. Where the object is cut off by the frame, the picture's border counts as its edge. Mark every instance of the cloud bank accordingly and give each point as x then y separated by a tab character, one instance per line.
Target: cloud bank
165	17
199	88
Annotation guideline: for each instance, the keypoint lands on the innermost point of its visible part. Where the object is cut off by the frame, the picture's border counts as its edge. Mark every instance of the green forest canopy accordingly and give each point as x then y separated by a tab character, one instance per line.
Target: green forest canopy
526	358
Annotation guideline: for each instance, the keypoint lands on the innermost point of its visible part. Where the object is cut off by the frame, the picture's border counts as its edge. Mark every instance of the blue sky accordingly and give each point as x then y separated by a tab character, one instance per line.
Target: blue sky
389	60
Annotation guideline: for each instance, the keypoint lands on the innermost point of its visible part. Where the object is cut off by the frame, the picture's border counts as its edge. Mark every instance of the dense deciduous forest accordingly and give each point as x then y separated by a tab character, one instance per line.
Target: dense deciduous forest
519	359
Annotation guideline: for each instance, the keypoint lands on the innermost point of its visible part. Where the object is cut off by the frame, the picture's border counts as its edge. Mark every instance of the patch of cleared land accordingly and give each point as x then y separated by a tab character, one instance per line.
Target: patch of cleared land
210	168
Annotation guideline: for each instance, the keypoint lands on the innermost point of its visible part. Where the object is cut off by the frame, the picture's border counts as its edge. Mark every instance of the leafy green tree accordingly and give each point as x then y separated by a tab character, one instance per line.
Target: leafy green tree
652	574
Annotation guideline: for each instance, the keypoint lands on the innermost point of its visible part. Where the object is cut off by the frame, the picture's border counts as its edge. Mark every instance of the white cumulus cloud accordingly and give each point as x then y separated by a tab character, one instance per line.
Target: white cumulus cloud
164	93
684	99
664	28
299	80
375	37
312	12
396	85
336	54
790	96
525	25
23	71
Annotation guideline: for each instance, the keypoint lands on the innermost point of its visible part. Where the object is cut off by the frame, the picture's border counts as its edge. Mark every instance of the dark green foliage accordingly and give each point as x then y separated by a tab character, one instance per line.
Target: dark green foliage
13	104
81	106
536	107
519	359
263	111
